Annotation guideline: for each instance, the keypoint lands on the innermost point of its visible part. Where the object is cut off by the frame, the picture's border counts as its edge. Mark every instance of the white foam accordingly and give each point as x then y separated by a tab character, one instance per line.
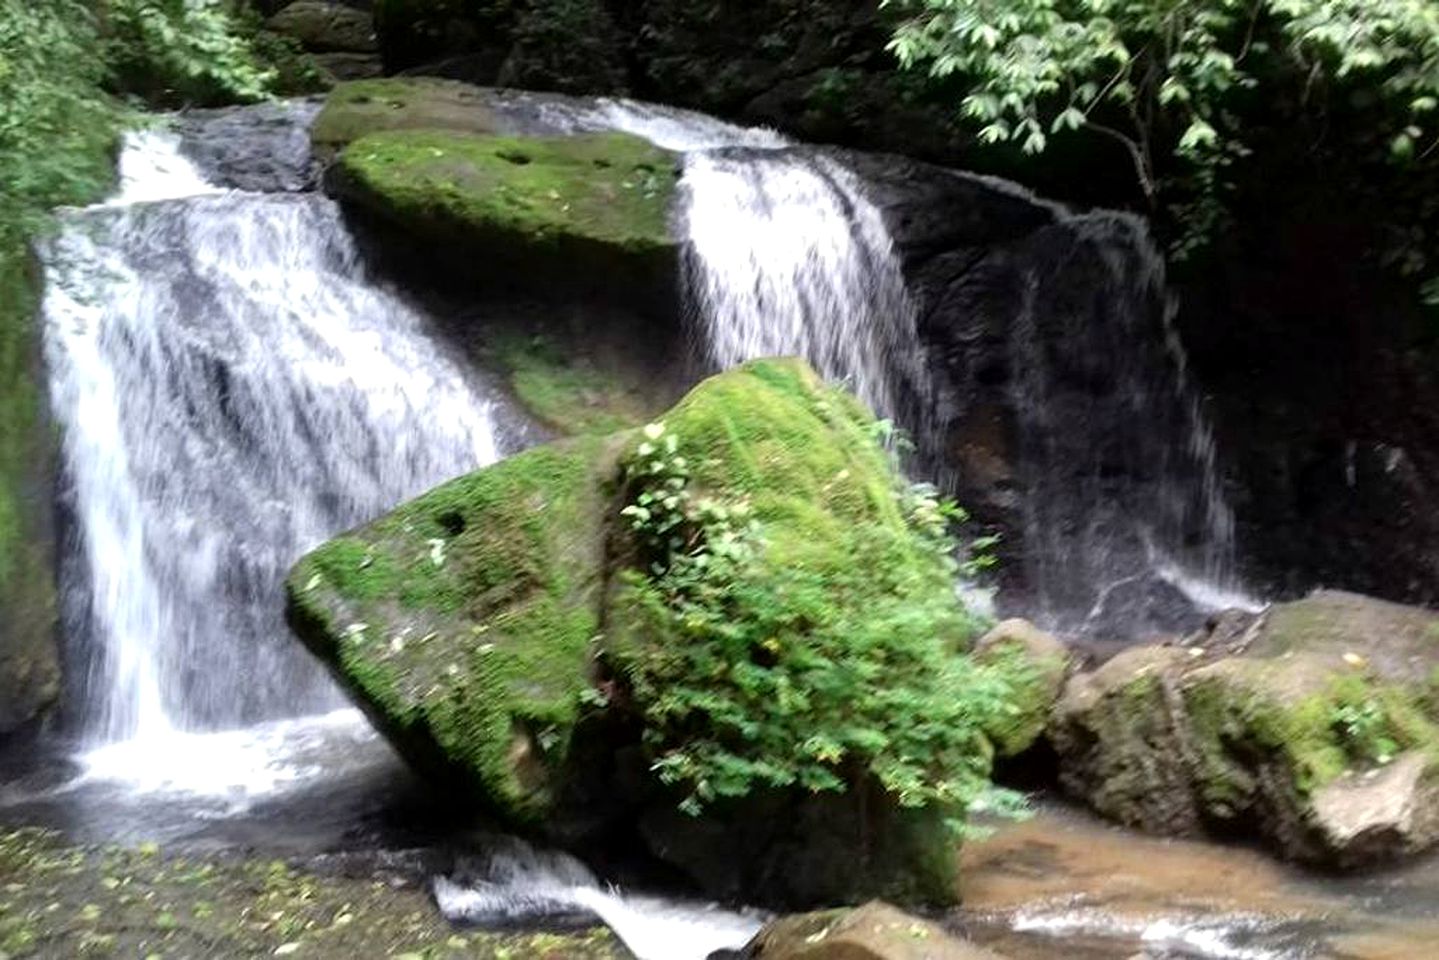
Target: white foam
237	767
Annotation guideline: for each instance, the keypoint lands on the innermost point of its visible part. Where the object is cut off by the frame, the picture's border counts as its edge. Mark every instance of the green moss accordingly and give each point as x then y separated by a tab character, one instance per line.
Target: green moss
611	190
29	667
362	107
1268	713
61	900
1035	683
465	617
571	396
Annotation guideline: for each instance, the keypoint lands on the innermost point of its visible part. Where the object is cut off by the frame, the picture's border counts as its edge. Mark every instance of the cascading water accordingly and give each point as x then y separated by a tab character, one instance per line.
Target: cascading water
786	257
1126	531
232	392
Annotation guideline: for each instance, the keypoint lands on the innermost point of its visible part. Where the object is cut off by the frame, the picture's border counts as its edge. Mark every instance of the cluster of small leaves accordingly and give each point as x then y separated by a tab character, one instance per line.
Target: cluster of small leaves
1160	75
761	675
187	51
1364	729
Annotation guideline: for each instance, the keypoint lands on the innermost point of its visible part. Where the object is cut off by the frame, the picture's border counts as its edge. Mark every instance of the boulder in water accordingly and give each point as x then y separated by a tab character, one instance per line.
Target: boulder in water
493	630
1312	726
875	931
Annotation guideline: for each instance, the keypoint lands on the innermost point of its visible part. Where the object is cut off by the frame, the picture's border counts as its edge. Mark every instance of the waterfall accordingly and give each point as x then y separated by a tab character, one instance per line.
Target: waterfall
786	257
232	392
1125	528
513	883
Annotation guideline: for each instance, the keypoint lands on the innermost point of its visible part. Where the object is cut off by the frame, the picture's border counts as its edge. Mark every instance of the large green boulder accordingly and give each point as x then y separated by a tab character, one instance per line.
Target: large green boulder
503	632
29	657
464	622
1312	726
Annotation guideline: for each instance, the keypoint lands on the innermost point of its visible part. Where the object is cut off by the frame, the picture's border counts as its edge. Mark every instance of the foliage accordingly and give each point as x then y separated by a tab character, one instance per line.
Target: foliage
778	675
1168	78
190	51
1363	727
56	125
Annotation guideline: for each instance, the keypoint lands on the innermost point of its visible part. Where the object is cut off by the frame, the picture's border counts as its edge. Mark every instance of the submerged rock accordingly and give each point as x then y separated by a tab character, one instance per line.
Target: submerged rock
875	931
1312	726
485	629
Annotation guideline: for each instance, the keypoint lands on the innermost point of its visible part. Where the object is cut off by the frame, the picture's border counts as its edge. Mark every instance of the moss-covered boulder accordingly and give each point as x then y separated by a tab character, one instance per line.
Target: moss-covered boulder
1311	726
29	656
326	26
465	622
356	109
1040	662
582	213
492	629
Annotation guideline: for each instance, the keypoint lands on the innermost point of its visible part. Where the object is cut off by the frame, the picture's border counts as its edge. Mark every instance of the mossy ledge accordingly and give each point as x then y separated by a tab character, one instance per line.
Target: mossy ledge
542	214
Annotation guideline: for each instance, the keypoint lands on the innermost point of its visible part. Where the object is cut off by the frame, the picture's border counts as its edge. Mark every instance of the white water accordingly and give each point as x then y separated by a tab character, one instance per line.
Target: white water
232	392
516	883
786	257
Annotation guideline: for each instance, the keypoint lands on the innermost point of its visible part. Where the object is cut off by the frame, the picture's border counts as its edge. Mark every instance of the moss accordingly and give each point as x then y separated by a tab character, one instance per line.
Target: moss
1035	682
29	666
611	189
61	900
465	618
1279	714
569	395
362	107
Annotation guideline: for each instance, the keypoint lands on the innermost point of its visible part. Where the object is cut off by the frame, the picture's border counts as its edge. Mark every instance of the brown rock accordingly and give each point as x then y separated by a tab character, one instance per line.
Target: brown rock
875	931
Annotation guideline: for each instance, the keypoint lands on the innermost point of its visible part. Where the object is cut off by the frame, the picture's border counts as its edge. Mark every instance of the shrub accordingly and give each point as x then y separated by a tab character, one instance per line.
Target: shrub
758	673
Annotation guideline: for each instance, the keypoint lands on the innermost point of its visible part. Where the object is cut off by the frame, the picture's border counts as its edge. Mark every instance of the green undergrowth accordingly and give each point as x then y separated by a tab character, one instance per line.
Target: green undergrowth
611	189
468	614
569	395
59	900
791	620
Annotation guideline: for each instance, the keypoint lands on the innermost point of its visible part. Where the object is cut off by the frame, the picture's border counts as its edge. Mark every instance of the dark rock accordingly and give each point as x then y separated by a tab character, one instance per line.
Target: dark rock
326	27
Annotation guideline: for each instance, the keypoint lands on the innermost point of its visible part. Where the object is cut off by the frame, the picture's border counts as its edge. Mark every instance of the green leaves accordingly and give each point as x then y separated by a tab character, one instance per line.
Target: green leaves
1160	75
752	673
183	50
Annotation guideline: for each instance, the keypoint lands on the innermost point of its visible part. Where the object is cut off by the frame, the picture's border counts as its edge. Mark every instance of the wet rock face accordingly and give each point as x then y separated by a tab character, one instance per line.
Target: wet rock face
1058	412
1312	727
263	148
